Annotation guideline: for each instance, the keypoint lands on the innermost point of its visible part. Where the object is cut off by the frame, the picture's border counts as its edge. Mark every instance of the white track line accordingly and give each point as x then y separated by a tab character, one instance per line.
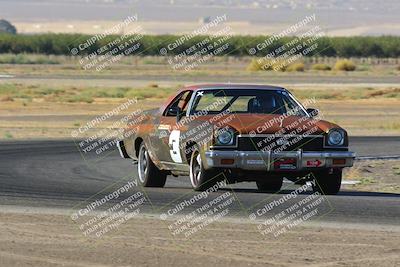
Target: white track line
379	158
6	76
351	182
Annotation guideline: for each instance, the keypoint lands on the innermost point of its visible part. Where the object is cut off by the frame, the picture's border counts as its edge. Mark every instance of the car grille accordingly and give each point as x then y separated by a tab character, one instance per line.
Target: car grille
279	143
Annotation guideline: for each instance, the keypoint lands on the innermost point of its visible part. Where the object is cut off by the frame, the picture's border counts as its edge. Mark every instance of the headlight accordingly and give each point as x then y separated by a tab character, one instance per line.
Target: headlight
225	137
336	138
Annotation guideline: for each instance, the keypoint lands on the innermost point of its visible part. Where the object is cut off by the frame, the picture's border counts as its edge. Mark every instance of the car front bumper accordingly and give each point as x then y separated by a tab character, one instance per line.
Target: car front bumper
282	161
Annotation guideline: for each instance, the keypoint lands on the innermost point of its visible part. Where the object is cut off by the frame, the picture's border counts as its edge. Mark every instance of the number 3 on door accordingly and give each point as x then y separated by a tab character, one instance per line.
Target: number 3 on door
174	145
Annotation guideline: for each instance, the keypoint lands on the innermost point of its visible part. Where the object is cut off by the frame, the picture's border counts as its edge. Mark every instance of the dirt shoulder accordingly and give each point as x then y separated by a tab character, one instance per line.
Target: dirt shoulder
44	120
51	240
374	176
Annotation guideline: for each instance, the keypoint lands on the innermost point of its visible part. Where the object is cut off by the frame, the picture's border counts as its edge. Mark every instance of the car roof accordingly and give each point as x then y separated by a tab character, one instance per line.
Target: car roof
210	86
232	86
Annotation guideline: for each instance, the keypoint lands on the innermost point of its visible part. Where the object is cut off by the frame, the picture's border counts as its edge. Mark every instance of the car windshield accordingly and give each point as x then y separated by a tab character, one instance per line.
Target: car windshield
251	101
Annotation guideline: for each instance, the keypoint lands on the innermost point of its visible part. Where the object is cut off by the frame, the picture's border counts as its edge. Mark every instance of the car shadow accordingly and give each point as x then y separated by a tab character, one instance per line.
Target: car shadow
367	194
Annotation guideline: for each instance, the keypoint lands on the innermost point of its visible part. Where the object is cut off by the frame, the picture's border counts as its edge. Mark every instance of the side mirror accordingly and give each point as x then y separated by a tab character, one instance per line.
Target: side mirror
313	112
175	111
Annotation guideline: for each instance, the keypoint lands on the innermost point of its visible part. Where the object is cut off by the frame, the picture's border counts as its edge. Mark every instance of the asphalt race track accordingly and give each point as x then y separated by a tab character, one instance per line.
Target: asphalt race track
53	174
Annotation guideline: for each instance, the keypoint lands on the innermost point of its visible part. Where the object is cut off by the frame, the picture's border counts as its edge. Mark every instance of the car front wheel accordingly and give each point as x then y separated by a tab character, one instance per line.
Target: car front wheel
200	178
328	182
270	184
149	174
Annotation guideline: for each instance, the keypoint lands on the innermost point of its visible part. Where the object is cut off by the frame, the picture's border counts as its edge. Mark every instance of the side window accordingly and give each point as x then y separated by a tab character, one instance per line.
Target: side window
181	101
184	102
290	106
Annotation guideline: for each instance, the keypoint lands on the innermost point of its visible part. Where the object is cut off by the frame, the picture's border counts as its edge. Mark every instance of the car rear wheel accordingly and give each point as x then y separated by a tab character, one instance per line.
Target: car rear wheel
328	182
200	178
149	174
270	184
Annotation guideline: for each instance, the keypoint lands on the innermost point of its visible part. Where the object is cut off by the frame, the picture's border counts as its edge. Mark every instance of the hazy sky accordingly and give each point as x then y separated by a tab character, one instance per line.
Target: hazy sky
381	17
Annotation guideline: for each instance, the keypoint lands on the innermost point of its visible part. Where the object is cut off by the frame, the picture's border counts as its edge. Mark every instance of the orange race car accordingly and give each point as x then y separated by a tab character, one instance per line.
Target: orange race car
236	133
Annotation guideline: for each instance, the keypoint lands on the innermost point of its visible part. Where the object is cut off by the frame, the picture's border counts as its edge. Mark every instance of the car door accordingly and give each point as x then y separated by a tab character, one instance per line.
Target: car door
170	131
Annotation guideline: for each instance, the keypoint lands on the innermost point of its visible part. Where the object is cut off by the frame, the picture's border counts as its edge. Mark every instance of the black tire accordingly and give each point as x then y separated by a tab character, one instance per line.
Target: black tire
149	174
328	182
200	178
270	184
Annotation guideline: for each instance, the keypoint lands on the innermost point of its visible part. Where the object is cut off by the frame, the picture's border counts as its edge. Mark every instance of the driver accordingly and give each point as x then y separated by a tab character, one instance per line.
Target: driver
262	104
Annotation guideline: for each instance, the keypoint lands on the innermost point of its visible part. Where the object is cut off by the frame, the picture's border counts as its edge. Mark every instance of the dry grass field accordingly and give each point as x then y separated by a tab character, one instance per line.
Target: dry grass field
49	96
53	111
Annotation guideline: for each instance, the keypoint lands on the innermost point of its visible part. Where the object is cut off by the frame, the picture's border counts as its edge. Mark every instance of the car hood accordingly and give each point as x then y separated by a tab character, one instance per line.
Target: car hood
272	124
